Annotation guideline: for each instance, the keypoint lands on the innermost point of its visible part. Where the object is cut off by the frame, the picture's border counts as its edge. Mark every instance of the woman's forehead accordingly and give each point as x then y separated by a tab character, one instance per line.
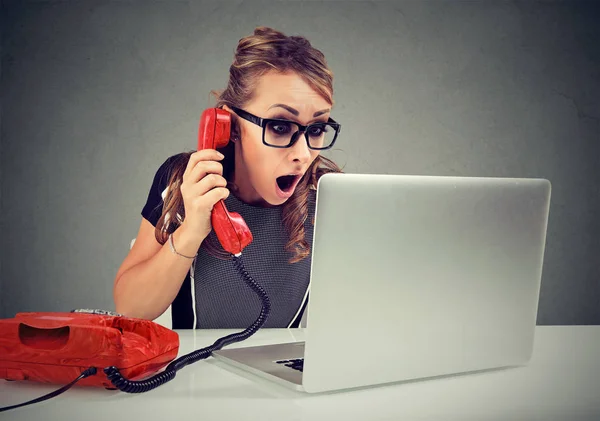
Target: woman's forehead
287	89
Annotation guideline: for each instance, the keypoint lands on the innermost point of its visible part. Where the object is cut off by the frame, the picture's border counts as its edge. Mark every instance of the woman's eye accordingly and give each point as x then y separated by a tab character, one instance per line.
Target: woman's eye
279	128
317	131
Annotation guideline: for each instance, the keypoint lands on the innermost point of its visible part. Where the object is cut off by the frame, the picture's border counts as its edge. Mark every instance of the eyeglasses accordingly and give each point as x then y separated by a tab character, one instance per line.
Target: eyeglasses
279	133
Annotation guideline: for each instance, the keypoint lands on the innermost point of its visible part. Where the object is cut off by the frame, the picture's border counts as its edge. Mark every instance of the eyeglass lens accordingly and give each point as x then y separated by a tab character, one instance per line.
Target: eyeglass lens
280	133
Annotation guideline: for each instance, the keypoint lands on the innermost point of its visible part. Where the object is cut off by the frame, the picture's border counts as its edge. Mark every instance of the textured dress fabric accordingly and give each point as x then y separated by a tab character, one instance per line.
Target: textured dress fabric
214	294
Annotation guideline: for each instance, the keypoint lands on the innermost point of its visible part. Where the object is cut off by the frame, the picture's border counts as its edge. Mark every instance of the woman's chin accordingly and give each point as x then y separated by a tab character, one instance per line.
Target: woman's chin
276	197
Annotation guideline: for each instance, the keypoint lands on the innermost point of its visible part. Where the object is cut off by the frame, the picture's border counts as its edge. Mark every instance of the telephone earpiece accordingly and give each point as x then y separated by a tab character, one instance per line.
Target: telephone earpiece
230	228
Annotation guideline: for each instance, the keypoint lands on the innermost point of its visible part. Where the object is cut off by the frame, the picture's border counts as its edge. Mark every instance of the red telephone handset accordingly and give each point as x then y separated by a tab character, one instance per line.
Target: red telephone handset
230	228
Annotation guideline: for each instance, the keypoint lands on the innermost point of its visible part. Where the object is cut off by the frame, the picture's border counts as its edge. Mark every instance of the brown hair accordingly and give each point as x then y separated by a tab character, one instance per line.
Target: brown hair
266	50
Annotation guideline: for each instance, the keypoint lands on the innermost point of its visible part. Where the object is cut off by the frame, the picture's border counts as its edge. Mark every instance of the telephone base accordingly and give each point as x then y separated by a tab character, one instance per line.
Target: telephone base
57	348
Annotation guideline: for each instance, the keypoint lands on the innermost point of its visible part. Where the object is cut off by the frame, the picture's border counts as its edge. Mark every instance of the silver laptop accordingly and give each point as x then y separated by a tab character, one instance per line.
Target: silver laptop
414	277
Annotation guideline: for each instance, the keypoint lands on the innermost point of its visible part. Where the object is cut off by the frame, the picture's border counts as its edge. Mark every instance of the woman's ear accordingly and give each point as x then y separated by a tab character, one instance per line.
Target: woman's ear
235	125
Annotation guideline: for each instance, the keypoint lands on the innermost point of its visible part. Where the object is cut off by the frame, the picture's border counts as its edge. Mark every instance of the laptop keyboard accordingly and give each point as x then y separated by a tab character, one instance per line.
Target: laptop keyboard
296	364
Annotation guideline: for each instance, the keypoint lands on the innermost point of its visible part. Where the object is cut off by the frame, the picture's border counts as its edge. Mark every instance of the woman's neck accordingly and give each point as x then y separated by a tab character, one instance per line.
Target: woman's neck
247	194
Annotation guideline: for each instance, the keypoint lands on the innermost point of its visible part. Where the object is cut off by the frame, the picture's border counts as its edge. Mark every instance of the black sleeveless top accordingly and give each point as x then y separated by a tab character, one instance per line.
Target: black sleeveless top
214	295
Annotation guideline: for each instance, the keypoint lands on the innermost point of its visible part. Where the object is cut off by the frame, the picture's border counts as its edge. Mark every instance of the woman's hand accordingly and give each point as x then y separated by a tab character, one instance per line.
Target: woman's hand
202	187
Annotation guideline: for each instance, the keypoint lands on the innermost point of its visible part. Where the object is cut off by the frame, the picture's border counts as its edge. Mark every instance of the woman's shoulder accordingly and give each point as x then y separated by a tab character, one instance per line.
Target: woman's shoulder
160	185
165	170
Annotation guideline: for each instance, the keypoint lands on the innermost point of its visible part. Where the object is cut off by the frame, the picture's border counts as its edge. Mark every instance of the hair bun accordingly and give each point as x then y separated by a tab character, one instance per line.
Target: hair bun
266	31
302	41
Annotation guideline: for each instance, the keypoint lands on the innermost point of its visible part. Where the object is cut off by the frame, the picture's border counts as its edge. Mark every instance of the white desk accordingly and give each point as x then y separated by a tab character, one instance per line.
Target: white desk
562	382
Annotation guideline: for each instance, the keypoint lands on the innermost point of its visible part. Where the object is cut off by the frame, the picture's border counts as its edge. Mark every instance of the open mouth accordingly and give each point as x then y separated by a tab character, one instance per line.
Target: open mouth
287	182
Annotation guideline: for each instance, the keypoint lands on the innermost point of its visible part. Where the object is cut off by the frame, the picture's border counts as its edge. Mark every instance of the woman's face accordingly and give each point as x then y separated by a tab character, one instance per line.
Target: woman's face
258	166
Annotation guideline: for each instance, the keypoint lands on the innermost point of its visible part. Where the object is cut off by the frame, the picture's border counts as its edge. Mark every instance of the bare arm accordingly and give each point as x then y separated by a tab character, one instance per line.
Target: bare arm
151	275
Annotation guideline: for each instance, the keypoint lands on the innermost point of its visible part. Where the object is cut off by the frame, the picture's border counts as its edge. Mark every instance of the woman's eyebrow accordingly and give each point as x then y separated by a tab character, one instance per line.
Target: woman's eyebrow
295	112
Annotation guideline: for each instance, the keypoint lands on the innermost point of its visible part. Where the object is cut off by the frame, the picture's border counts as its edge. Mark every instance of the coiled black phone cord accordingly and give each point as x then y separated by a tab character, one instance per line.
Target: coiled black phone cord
168	374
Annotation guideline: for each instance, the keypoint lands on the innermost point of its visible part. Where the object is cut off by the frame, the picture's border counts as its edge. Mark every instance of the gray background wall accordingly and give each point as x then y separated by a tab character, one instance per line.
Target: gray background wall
95	95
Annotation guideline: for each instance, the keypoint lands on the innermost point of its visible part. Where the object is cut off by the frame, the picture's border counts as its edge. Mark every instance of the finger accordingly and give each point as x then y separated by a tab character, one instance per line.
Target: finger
213	196
206	184
201	155
208	201
204	168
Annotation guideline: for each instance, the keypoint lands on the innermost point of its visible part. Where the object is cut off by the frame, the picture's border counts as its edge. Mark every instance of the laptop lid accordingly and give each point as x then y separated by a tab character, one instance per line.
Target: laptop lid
419	276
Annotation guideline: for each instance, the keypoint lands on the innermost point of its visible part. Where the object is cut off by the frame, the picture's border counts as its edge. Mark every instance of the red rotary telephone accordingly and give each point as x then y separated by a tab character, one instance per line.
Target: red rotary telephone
56	347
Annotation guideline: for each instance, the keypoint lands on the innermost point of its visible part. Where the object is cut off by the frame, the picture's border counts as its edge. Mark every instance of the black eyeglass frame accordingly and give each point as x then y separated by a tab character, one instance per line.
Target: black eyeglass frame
262	122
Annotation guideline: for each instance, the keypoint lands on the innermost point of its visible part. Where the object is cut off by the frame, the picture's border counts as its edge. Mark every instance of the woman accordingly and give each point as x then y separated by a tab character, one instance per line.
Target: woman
268	174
